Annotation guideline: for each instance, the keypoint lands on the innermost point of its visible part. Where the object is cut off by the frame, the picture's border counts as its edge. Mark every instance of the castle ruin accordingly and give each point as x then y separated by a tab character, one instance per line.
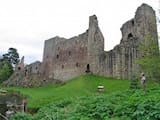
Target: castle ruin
64	59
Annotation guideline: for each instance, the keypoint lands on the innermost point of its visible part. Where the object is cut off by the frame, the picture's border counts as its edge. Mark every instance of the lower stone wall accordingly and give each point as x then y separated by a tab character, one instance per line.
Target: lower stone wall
64	75
120	62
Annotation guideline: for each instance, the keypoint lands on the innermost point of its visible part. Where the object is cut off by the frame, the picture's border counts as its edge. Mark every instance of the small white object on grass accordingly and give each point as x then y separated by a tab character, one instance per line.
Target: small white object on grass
100	88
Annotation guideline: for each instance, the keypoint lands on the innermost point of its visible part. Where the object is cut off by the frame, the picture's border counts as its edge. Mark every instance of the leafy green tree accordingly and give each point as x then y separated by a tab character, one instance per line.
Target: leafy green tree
12	56
149	61
7	62
6	70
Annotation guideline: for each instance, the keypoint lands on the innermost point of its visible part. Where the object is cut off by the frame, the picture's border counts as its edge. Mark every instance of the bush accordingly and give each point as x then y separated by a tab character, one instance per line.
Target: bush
21	116
134	82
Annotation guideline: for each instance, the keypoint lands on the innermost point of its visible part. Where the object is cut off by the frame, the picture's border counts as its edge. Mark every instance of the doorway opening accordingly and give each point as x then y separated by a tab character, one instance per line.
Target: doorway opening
88	69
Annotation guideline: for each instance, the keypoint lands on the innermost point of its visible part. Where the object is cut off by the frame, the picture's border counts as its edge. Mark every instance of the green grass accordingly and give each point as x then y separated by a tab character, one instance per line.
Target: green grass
133	104
85	85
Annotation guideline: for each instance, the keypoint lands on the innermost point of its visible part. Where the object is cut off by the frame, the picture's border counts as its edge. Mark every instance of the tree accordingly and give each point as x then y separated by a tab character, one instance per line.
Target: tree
12	56
7	62
6	70
149	61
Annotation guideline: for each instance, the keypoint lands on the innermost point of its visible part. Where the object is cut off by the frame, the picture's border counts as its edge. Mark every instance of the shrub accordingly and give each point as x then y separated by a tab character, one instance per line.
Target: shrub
21	116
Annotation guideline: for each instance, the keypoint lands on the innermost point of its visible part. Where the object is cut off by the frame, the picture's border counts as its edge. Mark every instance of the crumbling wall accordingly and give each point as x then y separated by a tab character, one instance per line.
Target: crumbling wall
121	61
27	76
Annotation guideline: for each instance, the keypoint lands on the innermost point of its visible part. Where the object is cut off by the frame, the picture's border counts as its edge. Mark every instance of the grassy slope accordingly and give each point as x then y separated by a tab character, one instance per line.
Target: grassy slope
77	87
80	86
121	105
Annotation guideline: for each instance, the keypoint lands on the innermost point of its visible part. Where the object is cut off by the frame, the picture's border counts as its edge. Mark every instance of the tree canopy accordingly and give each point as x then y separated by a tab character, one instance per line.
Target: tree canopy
12	56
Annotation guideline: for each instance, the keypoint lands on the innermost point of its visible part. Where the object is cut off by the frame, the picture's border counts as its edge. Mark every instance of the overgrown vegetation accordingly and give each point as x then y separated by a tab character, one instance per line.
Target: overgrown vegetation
134	82
79	99
150	60
124	105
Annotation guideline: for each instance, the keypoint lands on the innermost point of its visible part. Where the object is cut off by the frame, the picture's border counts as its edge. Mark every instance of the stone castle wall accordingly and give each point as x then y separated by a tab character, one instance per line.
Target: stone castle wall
120	62
65	57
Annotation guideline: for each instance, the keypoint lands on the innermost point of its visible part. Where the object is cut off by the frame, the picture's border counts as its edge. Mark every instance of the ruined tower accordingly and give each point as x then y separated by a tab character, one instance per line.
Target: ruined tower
95	44
121	61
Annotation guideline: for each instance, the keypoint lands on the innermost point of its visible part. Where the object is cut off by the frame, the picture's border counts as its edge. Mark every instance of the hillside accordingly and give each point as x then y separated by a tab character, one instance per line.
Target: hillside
120	105
79	99
85	85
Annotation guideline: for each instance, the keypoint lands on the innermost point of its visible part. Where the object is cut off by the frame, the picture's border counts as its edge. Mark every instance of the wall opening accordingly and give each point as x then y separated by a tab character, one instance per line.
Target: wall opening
69	53
62	66
19	68
132	22
77	65
57	56
130	35
88	68
25	73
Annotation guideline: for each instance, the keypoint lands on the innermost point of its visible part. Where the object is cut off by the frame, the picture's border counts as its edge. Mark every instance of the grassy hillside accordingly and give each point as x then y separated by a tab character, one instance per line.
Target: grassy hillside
85	85
78	99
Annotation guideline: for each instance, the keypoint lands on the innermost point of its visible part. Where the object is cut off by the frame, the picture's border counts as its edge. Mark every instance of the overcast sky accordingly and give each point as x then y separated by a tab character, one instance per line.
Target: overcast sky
26	24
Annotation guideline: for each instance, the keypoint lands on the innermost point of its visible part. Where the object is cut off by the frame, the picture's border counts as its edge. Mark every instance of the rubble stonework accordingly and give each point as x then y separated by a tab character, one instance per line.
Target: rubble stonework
64	59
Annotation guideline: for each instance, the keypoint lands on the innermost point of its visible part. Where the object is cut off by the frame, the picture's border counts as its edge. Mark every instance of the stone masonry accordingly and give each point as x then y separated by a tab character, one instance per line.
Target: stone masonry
64	59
